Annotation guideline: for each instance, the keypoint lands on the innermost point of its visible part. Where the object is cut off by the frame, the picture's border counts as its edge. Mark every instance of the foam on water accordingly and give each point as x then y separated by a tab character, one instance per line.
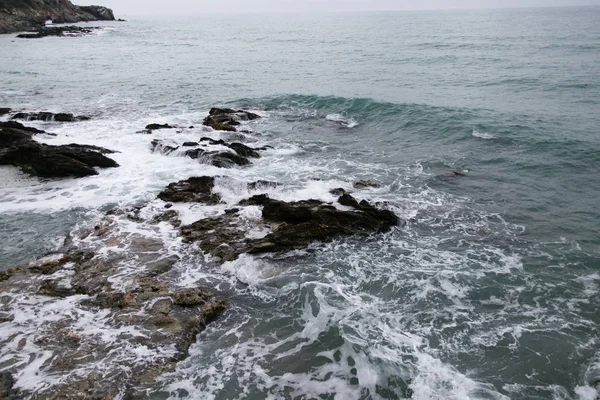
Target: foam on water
482	135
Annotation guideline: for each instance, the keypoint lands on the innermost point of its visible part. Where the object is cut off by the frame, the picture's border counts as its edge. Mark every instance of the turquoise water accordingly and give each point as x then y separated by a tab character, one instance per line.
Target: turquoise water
491	290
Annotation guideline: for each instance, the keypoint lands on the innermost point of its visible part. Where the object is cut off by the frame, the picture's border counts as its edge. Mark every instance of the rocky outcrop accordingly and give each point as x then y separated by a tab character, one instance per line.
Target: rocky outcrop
202	151
24	15
192	190
18	148
292	225
125	325
226	119
4	111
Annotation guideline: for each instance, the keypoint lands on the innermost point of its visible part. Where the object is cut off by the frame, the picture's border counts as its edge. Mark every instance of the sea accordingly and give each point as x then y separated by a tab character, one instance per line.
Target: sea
481	127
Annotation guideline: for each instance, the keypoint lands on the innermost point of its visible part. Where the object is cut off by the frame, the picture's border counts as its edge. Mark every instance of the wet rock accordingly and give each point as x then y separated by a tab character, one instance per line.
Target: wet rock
366	183
190	297
226	119
17	148
48	116
7	390
161	266
192	190
262	185
163	147
294	225
4	111
45	31
240	148
152	127
337	192
168	216
221	159
18	126
190	144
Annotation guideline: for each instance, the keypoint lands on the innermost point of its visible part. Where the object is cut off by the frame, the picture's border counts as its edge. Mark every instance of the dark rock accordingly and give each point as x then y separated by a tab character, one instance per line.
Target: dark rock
362	184
48	116
19	149
99	13
152	127
226	119
192	190
337	192
4	111
163	147
221	159
244	150
7	383
189	144
294	225
261	185
45	31
19	126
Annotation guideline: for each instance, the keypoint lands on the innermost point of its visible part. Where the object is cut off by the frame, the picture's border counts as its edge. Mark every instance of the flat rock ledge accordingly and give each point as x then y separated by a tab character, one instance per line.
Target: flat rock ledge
48	116
18	148
100	319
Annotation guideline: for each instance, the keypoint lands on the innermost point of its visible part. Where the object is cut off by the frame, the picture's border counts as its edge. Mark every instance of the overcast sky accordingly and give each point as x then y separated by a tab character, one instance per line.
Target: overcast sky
187	7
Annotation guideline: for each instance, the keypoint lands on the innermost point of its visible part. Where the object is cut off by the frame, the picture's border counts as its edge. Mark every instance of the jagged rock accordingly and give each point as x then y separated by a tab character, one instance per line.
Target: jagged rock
99	12
190	297
192	190
239	148
361	184
163	147
58	31
48	116
19	149
294	225
226	119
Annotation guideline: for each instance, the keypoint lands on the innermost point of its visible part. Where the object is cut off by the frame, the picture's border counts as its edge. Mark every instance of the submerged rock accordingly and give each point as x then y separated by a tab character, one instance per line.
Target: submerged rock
152	127
17	148
48	116
366	183
226	119
293	225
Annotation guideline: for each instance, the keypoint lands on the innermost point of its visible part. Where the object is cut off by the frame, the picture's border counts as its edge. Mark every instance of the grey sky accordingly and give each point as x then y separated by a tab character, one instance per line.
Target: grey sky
187	7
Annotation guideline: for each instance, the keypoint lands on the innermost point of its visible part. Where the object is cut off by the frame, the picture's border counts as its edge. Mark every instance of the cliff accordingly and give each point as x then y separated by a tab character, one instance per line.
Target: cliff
20	15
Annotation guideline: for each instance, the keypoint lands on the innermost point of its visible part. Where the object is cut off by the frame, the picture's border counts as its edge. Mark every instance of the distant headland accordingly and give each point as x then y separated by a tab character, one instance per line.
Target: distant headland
22	15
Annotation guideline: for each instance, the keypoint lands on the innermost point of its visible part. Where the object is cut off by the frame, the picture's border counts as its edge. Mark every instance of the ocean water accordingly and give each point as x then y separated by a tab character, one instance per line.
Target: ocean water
483	128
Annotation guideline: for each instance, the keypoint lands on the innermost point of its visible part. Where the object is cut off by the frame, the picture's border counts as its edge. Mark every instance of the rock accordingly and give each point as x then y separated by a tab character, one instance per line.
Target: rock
337	192
362	184
221	159
261	185
99	13
163	147
152	127
294	225
19	126
226	119
19	149
6	386
244	150
190	297
192	190
45	31
190	144
48	116
4	111
22	15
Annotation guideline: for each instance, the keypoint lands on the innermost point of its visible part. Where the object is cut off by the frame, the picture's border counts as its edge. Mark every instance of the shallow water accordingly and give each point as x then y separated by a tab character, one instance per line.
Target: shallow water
491	289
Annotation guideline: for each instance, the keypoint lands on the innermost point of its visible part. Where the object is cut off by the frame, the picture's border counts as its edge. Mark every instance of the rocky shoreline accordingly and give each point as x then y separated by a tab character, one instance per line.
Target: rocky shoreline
120	320
31	15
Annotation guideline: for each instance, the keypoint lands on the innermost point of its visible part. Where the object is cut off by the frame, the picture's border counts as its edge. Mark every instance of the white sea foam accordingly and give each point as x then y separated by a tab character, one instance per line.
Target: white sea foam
482	135
346	122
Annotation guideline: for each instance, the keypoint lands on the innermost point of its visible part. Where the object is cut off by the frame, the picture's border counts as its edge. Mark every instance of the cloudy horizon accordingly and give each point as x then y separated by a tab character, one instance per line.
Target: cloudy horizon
188	7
